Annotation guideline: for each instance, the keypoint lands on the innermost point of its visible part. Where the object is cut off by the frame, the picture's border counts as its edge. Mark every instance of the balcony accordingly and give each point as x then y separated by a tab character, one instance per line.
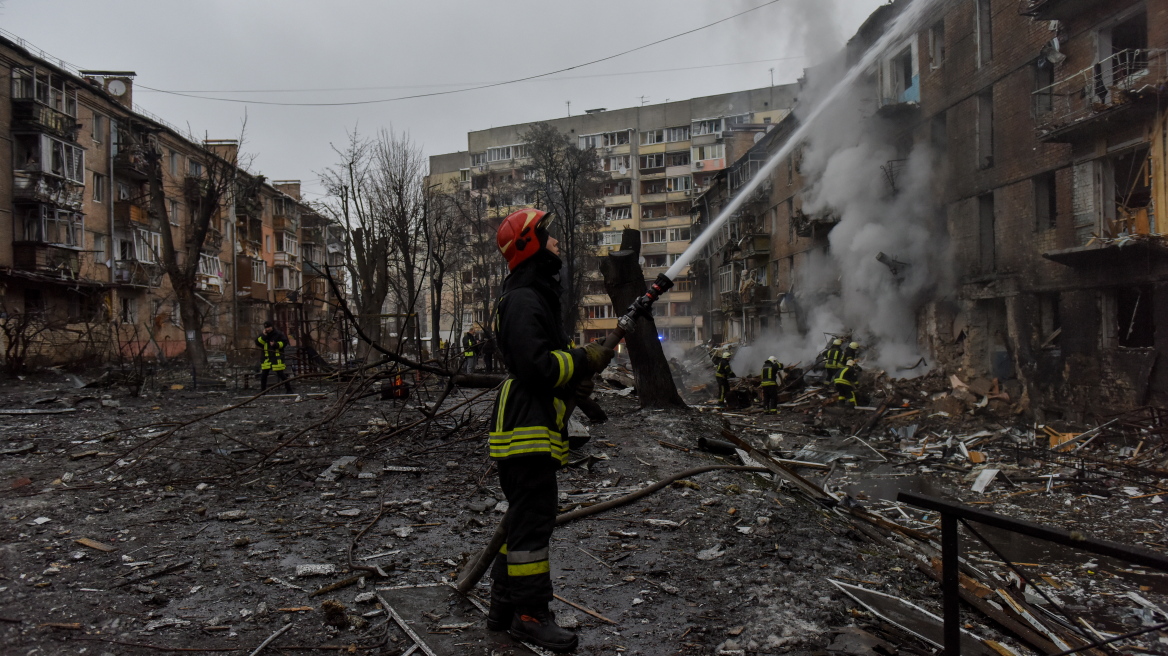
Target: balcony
209	284
133	273
213	242
1112	92
131	163
195	188
285	259
285	222
1061	10
730	302
813	226
47	188
29	114
129	214
755	245
44	258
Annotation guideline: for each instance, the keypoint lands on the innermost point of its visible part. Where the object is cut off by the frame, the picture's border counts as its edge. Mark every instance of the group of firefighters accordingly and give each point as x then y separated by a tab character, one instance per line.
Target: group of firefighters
839	364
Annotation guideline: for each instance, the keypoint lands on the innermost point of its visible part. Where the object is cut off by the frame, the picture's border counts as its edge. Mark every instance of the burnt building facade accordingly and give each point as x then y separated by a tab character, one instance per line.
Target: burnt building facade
1046	139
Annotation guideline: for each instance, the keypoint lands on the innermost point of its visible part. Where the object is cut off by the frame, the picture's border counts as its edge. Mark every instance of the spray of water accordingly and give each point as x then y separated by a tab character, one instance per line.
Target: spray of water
898	29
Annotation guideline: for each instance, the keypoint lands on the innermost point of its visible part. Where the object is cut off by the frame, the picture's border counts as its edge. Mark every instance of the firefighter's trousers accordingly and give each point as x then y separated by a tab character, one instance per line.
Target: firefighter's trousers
521	574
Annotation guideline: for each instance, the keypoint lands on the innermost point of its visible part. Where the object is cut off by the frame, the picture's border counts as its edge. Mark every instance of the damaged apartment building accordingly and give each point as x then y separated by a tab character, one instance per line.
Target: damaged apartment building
655	159
81	270
1046	128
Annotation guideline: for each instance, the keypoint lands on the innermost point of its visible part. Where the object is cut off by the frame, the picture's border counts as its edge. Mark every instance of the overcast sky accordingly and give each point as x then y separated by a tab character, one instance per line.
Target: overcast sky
309	51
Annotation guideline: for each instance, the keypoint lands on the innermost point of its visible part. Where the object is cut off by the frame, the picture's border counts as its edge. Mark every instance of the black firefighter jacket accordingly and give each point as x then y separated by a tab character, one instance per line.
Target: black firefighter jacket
528	418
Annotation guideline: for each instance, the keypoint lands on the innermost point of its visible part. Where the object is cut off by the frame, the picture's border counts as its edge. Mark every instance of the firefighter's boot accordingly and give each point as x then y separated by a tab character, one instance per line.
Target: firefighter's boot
499	617
540	628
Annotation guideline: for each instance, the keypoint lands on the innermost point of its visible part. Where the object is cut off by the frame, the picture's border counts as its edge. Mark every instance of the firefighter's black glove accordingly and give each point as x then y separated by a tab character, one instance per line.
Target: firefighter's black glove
598	356
585	388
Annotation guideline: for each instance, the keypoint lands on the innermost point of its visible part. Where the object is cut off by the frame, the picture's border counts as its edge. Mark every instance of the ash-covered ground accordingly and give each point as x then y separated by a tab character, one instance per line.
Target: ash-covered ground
123	534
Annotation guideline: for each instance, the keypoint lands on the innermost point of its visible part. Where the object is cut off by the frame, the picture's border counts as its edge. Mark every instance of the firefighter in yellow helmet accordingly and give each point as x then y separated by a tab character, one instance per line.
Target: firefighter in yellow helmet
845	382
723	374
833	358
528	442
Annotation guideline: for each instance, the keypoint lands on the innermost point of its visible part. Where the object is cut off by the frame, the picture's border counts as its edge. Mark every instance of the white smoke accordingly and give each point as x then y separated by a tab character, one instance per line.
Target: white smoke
848	158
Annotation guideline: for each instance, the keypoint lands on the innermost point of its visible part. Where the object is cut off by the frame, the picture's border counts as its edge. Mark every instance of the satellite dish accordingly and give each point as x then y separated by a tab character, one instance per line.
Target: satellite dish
623	170
758	136
116	87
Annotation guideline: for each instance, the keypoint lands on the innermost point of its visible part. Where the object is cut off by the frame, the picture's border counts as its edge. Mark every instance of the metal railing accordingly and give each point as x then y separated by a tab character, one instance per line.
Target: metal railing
953	514
1099	87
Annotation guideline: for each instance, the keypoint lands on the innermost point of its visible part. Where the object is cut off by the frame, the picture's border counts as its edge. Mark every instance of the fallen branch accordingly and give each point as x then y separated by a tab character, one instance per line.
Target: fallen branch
585	609
272	637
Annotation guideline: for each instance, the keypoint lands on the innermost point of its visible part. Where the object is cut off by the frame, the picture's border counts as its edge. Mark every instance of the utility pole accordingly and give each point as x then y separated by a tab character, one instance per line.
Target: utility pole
772	70
569	103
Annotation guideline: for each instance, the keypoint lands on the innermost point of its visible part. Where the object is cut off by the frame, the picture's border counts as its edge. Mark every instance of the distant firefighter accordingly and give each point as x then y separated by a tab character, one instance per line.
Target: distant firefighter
723	374
771	373
852	352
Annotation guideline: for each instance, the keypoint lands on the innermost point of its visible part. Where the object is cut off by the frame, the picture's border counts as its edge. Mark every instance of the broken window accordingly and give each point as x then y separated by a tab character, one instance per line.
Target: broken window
259	272
677	159
677	134
984	32
478	159
147	246
655	236
679	183
48	225
712	151
987	255
652	137
1135	327
129	310
1050	321
653	187
1127	179
679	234
1045	201
653	211
622	213
34	301
652	161
1043	86
618	188
985	128
706	126
1129	47
937	44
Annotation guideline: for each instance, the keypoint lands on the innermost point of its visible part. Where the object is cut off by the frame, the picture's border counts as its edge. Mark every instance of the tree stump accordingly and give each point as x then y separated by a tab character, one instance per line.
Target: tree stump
624	282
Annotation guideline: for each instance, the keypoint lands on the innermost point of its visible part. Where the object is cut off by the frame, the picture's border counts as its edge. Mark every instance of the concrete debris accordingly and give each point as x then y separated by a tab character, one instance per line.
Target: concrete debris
232	515
336	469
324	569
711	553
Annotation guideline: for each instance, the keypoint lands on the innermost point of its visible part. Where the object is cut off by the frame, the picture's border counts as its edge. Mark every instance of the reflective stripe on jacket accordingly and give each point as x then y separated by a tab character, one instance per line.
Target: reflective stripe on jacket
273	347
848	376
723	369
768	374
833	358
529	413
468	345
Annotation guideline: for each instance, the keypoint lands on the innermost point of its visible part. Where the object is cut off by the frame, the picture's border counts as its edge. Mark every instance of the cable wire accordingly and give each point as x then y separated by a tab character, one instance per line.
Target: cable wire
474	88
451	84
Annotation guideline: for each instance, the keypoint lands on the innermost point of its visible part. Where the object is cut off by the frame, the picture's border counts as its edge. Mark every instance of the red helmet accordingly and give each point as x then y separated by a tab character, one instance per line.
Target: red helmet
516	237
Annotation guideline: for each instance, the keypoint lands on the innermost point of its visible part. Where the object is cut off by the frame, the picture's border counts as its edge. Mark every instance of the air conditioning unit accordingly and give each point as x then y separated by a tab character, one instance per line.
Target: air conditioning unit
698	165
689	192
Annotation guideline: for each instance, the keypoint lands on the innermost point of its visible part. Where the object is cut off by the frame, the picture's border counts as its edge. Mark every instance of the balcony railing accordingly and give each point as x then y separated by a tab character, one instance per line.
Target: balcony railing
137	274
32	114
128	214
213	242
1111	84
131	162
47	188
284	222
285	259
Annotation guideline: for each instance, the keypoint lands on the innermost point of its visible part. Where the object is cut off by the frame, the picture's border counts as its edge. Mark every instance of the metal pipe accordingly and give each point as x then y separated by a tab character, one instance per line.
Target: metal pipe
1075	539
950	585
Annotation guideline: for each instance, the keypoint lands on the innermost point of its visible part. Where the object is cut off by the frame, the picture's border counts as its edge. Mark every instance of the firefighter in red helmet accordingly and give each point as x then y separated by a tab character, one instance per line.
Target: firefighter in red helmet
527	432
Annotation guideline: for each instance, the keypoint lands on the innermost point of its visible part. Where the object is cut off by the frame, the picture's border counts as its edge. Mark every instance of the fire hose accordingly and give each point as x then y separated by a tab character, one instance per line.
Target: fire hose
478	565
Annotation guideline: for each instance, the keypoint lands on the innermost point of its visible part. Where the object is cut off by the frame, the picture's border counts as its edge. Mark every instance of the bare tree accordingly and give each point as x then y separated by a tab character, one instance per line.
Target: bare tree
207	191
476	214
351	201
399	198
444	233
565	179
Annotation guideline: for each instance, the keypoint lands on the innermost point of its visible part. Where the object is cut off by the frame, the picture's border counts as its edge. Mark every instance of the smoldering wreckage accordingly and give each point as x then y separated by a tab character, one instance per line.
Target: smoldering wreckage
341	518
940	510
